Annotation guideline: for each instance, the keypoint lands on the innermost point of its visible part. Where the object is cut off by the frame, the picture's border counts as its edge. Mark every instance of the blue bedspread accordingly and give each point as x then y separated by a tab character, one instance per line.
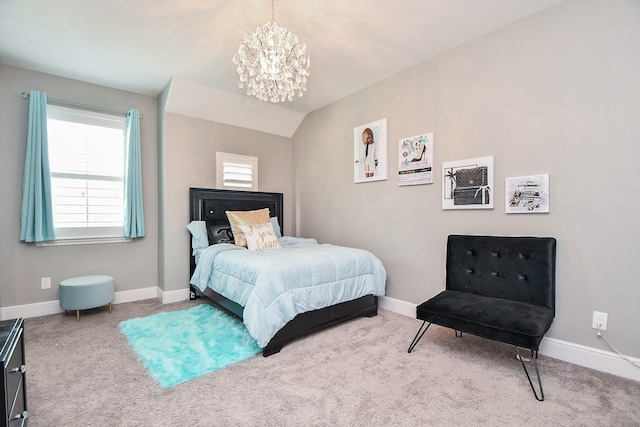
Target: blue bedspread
277	284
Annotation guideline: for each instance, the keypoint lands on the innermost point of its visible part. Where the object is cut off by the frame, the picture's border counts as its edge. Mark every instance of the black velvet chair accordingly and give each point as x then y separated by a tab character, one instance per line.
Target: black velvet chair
500	288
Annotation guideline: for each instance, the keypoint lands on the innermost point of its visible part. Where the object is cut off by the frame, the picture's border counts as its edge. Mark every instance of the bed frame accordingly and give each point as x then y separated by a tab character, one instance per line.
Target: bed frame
209	205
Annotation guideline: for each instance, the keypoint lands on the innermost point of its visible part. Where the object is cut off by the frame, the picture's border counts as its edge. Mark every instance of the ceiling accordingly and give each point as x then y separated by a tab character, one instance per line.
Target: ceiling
140	45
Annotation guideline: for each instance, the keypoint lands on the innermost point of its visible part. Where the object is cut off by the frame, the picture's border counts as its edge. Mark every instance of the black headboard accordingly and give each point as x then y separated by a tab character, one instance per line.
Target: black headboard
210	205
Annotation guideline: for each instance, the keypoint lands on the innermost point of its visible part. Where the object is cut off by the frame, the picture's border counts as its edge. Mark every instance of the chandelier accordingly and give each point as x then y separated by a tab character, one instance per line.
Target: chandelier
272	62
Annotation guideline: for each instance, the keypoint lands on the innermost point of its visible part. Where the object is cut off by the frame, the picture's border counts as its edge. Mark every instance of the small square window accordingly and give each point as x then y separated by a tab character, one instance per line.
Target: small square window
236	172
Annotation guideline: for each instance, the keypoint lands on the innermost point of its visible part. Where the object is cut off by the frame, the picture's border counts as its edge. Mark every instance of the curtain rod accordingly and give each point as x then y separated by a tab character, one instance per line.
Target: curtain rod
64	103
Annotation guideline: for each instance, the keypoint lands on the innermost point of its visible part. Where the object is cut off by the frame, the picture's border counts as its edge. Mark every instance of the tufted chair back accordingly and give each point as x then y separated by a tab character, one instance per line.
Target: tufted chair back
513	268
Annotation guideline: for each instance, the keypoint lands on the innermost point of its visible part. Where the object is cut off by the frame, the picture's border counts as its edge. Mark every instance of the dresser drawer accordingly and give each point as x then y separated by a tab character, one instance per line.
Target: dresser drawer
13	409
18	415
14	370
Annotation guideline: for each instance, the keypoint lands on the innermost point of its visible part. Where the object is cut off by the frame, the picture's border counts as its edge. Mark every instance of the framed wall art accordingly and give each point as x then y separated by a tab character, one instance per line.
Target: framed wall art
415	159
370	152
527	194
468	184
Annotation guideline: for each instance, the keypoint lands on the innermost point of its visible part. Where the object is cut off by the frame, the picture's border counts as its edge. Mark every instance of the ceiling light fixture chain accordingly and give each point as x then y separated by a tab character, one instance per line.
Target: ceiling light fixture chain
272	62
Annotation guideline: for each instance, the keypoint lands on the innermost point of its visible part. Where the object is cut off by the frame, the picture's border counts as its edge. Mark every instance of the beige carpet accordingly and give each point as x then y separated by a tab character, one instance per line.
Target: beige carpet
355	374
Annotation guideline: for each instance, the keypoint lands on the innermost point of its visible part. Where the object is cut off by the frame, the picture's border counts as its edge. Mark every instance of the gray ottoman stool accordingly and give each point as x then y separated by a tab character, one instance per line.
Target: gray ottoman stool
85	292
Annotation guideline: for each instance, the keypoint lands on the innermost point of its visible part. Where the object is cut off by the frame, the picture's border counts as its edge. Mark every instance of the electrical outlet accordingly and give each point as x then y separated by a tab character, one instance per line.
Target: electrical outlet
599	319
45	283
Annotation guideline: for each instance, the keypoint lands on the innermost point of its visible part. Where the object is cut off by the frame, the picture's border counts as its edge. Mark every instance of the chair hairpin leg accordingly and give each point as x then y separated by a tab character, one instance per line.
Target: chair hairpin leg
418	336
458	332
535	363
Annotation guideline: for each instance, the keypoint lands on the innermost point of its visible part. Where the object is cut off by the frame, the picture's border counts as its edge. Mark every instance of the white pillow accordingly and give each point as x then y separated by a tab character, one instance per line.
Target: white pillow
260	236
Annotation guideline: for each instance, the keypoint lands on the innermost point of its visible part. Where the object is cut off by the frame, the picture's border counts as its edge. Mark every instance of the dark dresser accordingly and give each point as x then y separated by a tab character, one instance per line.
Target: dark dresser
14	407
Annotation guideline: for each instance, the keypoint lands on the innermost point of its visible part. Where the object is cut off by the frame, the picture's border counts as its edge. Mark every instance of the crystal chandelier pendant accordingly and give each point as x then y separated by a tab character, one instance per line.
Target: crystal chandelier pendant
272	63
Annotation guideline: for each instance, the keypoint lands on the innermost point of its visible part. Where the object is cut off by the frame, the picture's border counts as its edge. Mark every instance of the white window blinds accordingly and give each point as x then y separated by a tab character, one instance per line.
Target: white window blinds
87	158
236	171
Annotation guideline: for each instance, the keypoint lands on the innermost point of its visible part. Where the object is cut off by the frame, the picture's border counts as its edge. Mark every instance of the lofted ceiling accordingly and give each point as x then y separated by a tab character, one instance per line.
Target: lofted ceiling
140	45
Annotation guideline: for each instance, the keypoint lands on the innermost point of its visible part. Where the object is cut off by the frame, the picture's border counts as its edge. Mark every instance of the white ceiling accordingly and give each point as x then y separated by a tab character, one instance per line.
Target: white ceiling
140	45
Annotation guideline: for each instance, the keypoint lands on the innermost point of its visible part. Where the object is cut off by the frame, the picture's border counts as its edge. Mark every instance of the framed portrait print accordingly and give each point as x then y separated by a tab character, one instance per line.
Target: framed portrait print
527	194
370	152
468	184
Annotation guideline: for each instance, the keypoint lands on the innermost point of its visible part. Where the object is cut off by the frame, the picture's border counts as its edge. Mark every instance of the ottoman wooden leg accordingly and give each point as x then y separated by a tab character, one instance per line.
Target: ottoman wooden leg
77	315
109	307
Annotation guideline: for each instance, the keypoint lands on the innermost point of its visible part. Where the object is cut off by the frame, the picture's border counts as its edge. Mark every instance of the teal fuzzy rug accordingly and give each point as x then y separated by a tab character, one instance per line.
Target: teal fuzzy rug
179	346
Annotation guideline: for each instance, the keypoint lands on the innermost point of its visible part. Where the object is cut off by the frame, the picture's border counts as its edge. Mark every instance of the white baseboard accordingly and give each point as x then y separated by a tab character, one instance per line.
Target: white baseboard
136	295
31	310
167	297
397	306
589	357
53	307
604	361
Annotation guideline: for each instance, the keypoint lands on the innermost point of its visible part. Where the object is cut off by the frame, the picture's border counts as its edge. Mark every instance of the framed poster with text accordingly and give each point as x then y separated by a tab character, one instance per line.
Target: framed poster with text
415	159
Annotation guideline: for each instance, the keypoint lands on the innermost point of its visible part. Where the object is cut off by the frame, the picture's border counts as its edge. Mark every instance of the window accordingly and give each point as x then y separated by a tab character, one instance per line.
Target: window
236	172
87	161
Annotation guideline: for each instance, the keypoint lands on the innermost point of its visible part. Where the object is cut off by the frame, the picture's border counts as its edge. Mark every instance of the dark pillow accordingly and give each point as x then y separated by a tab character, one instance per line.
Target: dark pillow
220	234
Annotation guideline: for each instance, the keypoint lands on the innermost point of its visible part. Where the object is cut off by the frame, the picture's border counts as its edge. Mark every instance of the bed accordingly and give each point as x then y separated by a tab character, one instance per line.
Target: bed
281	294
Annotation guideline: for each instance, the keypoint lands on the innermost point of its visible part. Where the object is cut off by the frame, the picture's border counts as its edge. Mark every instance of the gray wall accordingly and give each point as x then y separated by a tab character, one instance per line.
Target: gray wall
555	93
133	265
178	152
188	156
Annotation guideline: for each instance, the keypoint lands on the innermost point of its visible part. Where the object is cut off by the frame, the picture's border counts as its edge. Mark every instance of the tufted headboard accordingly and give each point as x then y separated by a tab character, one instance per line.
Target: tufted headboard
514	268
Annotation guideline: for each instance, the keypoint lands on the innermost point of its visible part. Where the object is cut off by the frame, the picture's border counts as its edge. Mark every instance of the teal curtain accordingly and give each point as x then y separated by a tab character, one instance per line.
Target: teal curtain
36	218
133	209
